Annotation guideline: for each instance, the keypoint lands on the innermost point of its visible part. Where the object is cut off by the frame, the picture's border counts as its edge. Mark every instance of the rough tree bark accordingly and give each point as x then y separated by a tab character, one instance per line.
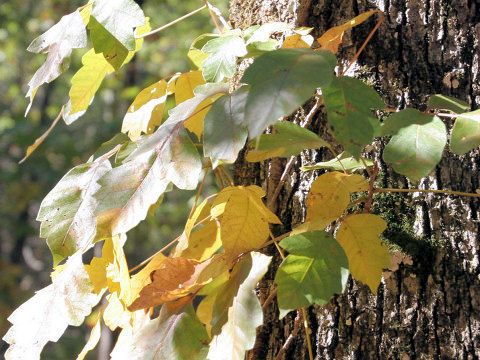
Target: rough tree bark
428	305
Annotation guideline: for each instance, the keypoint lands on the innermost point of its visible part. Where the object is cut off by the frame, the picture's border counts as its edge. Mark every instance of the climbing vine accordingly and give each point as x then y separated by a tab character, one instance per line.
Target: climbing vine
195	299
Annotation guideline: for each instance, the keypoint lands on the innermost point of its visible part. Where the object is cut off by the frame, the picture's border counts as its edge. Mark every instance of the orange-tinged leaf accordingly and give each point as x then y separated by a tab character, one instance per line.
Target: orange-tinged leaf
142	278
367	256
300	38
333	37
243	219
329	197
178	277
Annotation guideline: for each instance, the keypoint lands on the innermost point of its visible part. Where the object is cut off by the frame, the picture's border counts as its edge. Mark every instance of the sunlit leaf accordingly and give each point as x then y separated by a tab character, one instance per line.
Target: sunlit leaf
367	256
67	212
172	336
245	314
46	316
128	191
466	133
349	104
329	197
300	39
243	219
69	33
417	144
316	268
222	61
290	139
92	339
225	133
333	37
146	111
119	18
281	81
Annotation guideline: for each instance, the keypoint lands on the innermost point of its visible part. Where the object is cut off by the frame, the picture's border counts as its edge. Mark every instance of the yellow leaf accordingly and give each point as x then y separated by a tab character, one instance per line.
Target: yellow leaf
185	85
111	270
333	37
87	80
86	12
204	242
116	313
92	340
176	278
146	111
329	197
260	155
243	219
367	256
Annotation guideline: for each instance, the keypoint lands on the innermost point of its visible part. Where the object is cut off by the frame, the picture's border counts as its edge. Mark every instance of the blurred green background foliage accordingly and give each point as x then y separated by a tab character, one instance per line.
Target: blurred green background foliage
25	260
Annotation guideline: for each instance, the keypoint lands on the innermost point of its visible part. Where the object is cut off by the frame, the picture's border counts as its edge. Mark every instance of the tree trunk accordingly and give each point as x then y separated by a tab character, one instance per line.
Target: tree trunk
428	305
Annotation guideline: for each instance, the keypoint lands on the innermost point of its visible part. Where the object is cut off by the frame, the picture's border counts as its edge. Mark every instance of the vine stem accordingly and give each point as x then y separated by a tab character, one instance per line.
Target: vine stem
369	37
172	22
212	15
40	140
199	191
307	331
444	192
293	334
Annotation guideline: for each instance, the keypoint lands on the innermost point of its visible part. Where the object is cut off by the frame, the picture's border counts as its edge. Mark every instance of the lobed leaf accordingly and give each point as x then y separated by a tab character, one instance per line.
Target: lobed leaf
67	213
245	314
69	33
367	256
316	268
46	315
243	219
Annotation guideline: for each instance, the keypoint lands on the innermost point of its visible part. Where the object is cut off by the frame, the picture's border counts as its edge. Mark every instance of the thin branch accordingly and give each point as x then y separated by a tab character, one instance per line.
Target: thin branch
382	19
219	15
212	15
293	334
443	192
282	180
307	331
269	299
171	23
227	174
199	191
336	157
40	140
373	177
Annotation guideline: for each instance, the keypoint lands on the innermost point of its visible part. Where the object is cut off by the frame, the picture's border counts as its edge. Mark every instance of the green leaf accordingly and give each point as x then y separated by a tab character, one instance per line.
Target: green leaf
418	143
222	61
466	133
128	191
109	145
195	53
104	42
69	33
173	336
67	212
349	104
316	268
119	18
290	140
258	48
281	81
348	162
224	132
448	103
245	313
46	315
